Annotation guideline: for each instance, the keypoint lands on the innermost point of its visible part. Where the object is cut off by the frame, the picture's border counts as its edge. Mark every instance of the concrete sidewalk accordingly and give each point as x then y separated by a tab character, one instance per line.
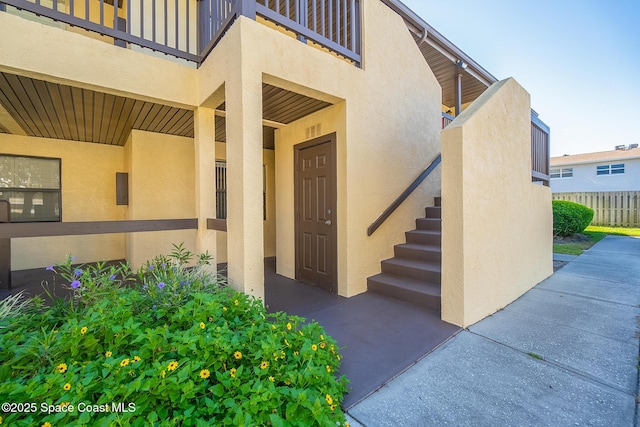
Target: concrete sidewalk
564	354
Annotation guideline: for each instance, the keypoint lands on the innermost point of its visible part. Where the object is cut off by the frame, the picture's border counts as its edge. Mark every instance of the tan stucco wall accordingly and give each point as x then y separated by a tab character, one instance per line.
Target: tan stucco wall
161	186
88	194
497	224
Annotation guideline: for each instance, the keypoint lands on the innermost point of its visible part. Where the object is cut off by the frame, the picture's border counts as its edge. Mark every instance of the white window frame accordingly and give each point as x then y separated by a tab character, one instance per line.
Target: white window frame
610	169
559	173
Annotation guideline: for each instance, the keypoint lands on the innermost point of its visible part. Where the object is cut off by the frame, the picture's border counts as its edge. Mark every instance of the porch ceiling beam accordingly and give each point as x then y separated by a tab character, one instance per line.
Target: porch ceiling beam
265	122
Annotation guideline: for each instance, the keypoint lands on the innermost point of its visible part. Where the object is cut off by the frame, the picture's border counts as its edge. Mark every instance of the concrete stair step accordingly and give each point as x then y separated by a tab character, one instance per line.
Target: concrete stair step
426	237
433	212
429	253
418	292
415	269
434	224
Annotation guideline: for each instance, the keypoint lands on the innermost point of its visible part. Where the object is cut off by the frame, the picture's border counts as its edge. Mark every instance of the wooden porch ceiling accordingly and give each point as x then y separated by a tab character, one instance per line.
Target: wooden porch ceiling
51	110
444	69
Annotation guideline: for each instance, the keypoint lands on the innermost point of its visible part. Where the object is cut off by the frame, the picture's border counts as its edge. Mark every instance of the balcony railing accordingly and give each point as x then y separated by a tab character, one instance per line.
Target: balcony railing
189	29
539	147
539	150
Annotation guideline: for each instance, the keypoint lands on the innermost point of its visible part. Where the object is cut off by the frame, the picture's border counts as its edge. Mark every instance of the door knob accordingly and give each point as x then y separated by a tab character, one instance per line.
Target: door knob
327	222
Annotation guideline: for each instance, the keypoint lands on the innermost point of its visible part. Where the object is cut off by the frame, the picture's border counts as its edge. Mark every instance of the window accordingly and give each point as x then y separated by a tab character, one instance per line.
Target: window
221	190
616	169
32	187
562	173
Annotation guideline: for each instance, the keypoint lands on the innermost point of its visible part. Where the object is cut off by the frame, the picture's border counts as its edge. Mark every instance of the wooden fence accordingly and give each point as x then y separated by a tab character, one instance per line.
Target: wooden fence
611	208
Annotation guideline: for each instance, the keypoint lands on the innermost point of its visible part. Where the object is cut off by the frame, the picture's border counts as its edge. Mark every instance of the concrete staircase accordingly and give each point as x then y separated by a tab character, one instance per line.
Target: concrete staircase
414	273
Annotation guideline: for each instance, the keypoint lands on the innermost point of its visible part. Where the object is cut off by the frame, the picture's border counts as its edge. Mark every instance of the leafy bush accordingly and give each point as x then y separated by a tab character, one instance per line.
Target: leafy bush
570	218
209	356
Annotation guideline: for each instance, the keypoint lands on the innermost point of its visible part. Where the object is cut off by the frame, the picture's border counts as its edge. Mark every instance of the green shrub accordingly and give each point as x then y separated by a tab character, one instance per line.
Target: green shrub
210	356
570	218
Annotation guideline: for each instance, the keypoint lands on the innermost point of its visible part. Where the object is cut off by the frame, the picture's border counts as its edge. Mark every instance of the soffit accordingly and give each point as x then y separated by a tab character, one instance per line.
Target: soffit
279	106
51	110
445	70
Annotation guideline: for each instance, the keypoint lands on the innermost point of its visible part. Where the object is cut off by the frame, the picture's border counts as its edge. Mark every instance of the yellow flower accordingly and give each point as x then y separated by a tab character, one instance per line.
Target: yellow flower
224	308
210	319
264	365
132	373
273	326
233	372
329	399
322	345
321	337
204	373
287	381
108	354
332	349
328	368
272	379
83	330
116	335
67	386
163	373
136	359
289	326
346	424
124	362
201	325
172	366
236	302
46	424
62	368
287	343
295	353
332	407
237	355
314	347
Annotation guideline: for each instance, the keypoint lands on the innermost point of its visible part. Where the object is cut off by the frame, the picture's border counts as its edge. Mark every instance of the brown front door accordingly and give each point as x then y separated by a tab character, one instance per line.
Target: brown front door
315	204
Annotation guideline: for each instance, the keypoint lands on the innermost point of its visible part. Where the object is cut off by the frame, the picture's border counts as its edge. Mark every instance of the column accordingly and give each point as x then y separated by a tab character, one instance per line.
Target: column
205	181
245	247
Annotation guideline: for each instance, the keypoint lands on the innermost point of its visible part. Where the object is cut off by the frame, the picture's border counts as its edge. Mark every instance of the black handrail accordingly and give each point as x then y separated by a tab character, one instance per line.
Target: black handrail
393	206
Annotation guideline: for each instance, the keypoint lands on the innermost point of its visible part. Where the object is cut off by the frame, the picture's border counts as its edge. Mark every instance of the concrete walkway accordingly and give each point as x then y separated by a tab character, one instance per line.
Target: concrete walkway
564	354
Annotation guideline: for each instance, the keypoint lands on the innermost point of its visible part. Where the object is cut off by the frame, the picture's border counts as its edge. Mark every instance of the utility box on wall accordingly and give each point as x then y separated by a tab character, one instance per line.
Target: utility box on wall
5	248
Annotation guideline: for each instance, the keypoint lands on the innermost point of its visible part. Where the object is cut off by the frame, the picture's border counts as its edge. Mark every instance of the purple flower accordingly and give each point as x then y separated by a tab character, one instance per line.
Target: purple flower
154	307
163	265
145	287
77	272
161	285
76	284
112	277
50	268
150	267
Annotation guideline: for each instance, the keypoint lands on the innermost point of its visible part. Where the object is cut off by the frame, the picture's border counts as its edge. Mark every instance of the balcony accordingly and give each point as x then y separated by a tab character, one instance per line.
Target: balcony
190	29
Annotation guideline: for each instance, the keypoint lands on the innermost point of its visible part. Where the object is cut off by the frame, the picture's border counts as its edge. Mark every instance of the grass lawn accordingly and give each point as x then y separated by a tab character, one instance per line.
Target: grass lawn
592	235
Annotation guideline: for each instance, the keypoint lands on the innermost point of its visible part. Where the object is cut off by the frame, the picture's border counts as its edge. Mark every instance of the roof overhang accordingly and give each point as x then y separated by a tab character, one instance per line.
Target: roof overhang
443	58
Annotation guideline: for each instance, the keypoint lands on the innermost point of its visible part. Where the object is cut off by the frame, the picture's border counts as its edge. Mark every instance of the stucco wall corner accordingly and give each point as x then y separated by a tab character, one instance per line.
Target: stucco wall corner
496	227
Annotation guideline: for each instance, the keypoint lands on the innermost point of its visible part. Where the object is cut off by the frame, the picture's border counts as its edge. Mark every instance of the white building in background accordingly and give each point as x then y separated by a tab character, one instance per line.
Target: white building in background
615	170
